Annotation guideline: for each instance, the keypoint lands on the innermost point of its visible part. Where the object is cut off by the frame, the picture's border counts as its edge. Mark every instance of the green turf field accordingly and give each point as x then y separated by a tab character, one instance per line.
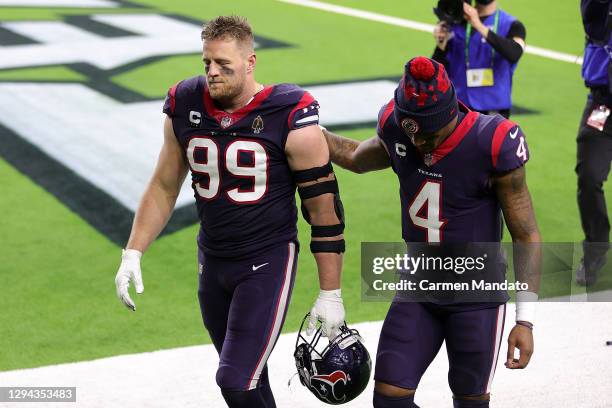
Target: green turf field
57	272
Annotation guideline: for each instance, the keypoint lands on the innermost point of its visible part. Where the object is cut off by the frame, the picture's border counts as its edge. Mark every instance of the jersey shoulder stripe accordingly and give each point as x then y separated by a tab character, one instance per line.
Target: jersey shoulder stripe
498	139
181	91
384	114
304	113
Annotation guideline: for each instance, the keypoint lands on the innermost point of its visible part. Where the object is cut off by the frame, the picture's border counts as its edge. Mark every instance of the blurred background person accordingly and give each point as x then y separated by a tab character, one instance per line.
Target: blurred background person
480	47
595	138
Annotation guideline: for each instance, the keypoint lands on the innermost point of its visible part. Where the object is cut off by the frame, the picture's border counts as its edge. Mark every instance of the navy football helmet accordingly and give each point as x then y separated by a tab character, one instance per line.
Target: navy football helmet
337	374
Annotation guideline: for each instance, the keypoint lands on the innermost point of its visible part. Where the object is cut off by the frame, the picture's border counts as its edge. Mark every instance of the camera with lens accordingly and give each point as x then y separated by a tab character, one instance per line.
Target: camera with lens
450	11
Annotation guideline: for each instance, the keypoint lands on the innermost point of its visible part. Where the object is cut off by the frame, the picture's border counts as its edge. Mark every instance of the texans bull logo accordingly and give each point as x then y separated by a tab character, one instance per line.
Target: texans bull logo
330	387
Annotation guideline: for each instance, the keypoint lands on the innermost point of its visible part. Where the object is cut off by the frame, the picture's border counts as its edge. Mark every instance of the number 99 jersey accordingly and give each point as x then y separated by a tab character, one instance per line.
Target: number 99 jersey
447	195
243	186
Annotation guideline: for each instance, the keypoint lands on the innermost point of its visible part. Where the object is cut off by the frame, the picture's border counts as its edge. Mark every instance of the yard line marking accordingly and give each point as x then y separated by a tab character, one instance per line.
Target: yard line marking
415	25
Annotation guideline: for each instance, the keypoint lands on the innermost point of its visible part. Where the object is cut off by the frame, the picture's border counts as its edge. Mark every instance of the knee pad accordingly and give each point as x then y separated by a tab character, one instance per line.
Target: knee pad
243	399
229	378
458	402
382	401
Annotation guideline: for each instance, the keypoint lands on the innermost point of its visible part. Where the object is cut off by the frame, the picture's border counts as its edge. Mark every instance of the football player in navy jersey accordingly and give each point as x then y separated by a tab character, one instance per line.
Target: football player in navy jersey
247	146
456	170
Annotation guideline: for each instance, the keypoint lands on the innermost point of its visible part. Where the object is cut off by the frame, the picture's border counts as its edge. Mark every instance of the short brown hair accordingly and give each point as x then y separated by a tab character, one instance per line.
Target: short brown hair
234	27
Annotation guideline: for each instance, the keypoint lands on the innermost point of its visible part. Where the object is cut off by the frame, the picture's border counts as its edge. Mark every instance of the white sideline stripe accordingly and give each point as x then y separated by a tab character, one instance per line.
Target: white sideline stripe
415	25
501	309
308	119
554	55
58	3
281	308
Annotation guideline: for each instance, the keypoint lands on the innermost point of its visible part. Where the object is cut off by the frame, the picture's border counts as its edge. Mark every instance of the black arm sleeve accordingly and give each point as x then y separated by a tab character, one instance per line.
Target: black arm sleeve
440	56
507	47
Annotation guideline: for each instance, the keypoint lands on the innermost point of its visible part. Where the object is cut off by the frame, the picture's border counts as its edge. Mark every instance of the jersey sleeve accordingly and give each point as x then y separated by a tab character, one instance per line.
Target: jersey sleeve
509	148
383	116
305	113
170	101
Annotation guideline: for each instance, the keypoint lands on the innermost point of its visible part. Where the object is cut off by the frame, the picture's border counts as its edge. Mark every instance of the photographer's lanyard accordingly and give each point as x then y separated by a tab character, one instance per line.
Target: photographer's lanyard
482	76
468	35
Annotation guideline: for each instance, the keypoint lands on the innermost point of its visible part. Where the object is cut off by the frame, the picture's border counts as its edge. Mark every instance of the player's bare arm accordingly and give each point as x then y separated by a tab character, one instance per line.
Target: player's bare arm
357	156
307	154
153	212
306	149
161	193
517	207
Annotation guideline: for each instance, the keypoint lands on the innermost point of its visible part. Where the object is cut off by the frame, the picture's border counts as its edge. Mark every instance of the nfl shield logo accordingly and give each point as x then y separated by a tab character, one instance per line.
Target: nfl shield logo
428	159
226	121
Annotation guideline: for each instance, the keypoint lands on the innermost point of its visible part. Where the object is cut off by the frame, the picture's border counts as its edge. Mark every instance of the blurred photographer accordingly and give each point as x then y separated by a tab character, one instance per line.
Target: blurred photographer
480	48
595	138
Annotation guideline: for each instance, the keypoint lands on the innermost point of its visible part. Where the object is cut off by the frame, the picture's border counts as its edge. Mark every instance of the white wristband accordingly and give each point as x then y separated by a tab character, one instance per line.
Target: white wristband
131	254
526	306
335	294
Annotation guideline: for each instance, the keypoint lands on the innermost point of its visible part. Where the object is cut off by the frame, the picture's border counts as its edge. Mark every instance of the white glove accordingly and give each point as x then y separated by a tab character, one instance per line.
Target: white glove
129	270
328	309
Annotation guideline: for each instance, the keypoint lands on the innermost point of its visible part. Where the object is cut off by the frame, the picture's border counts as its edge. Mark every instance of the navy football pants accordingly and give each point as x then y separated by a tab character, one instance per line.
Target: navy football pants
413	333
243	304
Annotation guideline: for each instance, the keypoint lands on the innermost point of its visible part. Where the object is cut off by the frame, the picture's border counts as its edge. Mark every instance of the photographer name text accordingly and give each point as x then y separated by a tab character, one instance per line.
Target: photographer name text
425	285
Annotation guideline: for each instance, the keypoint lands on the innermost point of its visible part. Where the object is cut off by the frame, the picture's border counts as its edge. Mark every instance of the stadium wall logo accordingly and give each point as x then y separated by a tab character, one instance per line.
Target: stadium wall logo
93	143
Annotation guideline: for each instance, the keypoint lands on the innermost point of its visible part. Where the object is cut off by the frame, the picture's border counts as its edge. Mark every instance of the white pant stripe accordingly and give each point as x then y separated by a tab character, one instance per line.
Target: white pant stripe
498	334
279	313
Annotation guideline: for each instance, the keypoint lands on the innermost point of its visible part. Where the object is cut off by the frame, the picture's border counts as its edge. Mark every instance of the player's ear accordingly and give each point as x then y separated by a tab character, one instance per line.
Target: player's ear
251	61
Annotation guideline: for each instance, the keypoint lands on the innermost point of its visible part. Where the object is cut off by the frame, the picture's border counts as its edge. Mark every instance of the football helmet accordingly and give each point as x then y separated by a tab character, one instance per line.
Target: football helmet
338	373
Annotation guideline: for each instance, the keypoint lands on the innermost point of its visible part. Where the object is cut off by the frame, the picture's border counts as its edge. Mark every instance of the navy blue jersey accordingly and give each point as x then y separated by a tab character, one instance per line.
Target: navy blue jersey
244	190
447	195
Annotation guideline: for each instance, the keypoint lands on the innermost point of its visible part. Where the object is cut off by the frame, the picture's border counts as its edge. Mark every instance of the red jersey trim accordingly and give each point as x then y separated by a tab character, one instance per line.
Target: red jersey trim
306	100
498	139
236	116
173	97
456	137
385	116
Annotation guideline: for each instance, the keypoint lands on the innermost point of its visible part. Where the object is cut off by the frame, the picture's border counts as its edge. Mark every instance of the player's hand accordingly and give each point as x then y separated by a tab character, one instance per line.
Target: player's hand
471	15
442	35
520	337
129	270
329	310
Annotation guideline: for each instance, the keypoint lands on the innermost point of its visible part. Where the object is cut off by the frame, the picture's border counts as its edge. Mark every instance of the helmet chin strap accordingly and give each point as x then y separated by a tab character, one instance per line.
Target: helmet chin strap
291	379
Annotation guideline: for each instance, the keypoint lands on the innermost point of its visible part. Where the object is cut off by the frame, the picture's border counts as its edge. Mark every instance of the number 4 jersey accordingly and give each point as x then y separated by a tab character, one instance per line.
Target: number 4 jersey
244	190
447	195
